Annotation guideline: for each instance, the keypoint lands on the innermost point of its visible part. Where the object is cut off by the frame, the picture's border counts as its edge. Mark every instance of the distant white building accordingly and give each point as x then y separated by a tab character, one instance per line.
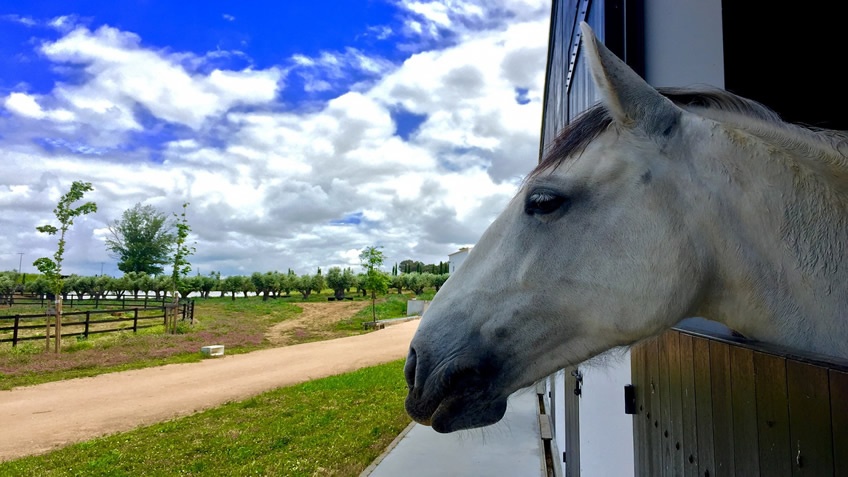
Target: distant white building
455	259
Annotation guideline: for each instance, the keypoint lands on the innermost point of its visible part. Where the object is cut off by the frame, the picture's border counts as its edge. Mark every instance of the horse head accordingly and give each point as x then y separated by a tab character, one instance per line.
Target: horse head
643	212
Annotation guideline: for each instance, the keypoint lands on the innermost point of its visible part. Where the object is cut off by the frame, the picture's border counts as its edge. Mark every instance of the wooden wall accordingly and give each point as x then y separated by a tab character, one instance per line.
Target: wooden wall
711	407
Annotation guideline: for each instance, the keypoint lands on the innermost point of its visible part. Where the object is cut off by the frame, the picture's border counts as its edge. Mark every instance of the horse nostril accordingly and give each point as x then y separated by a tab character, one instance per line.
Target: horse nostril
409	368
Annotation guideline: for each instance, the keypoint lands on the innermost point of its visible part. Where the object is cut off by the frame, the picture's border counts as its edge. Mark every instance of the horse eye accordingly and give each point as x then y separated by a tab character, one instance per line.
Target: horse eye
544	202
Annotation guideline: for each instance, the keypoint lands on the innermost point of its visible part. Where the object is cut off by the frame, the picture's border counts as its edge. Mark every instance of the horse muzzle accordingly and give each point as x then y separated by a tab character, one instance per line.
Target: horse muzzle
454	395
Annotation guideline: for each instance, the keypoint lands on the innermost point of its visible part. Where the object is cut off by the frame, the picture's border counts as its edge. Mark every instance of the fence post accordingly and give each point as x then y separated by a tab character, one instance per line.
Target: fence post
135	320
15	331
87	320
192	312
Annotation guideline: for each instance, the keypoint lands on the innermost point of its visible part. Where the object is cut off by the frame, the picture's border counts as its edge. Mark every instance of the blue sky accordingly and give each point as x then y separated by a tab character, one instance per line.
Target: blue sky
300	132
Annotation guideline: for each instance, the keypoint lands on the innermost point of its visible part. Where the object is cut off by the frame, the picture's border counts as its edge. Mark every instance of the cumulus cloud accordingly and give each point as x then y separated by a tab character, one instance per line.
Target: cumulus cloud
123	76
273	187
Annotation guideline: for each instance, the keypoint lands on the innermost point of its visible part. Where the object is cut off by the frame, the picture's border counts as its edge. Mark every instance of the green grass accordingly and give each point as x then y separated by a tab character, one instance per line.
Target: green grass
392	305
334	426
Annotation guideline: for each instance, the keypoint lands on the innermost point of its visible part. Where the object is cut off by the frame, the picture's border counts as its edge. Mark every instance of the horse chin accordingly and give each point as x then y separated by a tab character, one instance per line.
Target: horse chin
463	412
458	414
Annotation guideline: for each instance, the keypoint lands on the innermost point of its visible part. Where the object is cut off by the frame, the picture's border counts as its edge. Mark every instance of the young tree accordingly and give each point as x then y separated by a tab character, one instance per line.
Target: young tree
375	280
141	240
181	265
52	269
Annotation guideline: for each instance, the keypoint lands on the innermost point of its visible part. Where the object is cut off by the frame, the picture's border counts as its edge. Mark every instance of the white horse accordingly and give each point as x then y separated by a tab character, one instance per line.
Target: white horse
650	208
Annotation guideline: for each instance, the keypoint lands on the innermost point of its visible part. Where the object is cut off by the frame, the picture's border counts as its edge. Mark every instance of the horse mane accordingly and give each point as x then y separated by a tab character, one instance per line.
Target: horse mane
829	146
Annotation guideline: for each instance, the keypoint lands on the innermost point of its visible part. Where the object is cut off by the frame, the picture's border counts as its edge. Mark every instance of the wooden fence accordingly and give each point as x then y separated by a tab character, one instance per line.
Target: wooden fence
123	301
27	327
715	407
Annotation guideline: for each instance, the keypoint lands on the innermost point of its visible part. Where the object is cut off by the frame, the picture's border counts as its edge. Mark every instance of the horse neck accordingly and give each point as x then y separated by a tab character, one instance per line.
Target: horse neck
778	238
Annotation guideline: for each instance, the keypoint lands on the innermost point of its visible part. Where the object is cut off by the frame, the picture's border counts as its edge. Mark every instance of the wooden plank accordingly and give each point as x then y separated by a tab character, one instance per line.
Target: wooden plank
810	432
744	403
665	393
689	416
545	427
722	408
703	406
675	406
654	441
640	427
839	414
772	415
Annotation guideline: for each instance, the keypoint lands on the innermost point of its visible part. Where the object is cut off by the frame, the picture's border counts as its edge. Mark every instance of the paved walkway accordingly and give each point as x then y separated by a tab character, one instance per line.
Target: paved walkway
510	448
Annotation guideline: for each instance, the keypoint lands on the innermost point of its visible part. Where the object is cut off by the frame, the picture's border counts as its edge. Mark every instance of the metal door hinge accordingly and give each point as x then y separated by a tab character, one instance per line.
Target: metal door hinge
629	399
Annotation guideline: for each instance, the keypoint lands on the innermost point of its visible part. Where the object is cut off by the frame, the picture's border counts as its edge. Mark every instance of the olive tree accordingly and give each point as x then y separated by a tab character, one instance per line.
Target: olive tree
339	280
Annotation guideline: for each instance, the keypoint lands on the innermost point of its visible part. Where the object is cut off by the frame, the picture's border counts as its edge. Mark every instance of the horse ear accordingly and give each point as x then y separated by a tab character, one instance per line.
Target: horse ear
631	101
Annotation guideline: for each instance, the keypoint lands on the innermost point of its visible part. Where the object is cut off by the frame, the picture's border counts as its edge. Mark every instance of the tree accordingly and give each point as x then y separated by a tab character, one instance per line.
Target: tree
288	282
375	280
440	279
52	269
7	287
263	284
181	265
211	283
318	283
339	280
232	285
397	282
141	240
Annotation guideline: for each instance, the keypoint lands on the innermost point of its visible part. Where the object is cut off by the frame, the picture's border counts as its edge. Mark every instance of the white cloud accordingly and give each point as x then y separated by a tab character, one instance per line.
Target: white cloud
23	20
24	105
272	187
122	76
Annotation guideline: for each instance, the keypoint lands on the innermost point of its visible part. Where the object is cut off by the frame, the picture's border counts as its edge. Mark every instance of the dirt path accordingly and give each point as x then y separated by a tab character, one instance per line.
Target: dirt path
313	320
37	419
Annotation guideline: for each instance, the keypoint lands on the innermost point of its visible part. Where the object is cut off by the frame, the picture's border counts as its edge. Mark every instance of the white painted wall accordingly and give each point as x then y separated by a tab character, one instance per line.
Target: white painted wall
455	259
684	43
606	432
416	307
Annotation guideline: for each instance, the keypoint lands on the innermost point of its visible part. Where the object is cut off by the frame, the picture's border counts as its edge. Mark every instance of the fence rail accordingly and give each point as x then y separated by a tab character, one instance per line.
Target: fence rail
32	326
72	300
